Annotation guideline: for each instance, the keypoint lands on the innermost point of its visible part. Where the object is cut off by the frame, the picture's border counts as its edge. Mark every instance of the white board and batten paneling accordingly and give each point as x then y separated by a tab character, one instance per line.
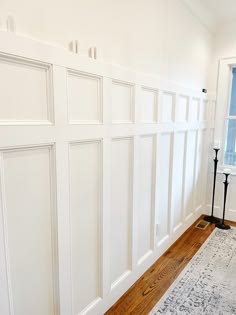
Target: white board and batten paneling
29	230
189	173
178	180
146	198
84	98
32	104
121	207
85	207
101	170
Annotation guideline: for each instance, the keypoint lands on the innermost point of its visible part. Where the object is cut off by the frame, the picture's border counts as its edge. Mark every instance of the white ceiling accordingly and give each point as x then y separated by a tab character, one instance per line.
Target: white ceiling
213	13
224	11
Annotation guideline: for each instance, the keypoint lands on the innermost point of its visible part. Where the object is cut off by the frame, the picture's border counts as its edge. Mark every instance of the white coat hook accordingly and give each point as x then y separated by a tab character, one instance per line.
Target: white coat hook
74	46
93	52
11	25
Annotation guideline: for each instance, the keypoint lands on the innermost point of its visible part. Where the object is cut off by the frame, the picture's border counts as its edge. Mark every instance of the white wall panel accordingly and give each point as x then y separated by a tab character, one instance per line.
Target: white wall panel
167	107
178	179
120	203
148	110
189	186
194	109
84	98
209	188
25	91
28	205
122	102
85	186
212	112
146	195
121	207
200	176
163	197
231	200
204	169
198	188
203	111
181	109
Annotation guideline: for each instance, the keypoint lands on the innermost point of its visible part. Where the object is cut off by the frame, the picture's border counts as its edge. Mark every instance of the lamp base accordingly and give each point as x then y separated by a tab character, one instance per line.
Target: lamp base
223	226
211	219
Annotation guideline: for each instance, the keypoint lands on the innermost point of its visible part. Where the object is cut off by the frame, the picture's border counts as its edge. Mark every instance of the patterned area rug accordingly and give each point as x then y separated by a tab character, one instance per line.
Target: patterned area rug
207	285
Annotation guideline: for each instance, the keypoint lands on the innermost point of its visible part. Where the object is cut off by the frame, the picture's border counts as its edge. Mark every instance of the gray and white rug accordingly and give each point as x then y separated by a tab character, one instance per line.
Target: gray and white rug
207	285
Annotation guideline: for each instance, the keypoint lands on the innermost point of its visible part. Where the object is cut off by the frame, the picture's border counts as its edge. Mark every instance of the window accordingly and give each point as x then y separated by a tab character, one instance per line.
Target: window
230	141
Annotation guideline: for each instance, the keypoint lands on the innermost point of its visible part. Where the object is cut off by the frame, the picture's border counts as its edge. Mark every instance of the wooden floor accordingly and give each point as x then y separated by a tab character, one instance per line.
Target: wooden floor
147	291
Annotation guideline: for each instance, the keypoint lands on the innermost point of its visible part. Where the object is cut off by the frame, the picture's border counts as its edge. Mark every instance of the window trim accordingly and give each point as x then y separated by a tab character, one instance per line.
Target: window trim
223	105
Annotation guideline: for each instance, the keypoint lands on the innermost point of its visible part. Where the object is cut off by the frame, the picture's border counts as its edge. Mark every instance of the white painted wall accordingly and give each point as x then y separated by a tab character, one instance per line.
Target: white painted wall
223	46
152	36
109	153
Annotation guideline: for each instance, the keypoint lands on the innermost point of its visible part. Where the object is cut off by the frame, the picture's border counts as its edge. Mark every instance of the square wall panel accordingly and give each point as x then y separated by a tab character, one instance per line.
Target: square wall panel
148	110
84	98
26	91
122	102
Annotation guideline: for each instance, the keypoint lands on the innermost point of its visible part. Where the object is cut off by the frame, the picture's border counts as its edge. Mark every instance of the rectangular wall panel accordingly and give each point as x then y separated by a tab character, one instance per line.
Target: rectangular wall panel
121	207
231	202
84	98
163	199
194	109
26	94
212	115
148	110
85	191
198	188
210	166
205	152
146	195
29	217
181	109
167	107
189	173
178	179
122	102
203	111
200	176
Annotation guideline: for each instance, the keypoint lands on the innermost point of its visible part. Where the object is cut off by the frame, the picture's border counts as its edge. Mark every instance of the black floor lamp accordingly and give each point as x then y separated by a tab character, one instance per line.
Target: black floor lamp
222	224
211	218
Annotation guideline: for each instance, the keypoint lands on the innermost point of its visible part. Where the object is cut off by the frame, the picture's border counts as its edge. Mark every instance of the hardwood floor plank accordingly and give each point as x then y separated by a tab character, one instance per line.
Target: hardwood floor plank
147	291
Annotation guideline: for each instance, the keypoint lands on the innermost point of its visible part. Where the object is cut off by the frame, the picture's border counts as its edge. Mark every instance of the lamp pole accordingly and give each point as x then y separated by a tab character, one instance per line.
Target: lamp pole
222	224
211	218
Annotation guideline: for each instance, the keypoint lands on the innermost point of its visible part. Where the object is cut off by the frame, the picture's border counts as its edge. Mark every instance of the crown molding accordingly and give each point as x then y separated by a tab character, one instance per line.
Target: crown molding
204	16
